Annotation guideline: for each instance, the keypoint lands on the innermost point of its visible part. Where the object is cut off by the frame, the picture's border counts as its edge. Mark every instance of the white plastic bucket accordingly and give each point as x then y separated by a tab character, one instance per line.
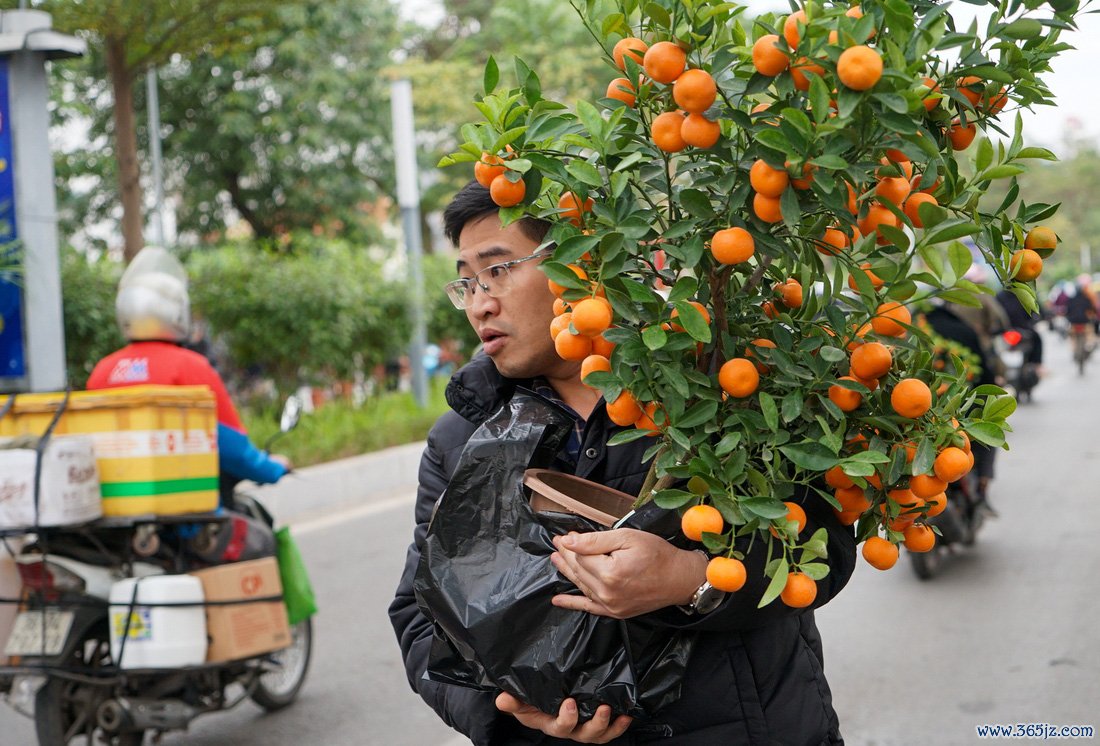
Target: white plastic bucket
158	636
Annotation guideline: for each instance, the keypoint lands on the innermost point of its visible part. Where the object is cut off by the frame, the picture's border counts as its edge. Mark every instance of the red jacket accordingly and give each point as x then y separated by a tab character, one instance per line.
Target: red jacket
168	364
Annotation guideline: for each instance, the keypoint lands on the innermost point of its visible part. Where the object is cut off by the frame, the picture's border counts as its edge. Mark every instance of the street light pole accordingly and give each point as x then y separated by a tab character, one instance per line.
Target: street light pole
408	199
152	102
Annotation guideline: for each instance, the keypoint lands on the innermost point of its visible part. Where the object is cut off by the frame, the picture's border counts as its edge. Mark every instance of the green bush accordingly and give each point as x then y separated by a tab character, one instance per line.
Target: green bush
308	317
339	430
88	300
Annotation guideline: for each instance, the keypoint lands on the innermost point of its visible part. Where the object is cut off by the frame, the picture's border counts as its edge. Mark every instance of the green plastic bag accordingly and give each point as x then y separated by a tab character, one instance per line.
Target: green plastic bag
297	590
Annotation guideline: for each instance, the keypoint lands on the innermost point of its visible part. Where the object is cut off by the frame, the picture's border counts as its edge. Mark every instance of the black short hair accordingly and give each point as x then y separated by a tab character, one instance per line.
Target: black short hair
473	203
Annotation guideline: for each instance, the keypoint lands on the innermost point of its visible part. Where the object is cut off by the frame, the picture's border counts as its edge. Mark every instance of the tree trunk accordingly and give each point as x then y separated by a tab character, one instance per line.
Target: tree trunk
126	151
260	228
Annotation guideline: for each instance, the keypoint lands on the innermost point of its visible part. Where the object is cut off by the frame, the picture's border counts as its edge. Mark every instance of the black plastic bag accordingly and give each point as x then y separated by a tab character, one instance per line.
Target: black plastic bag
485	579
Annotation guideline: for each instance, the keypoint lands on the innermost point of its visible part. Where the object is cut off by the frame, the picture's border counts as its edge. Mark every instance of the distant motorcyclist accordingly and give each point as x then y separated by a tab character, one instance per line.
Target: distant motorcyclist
1024	321
154	311
1082	314
1081	307
948	320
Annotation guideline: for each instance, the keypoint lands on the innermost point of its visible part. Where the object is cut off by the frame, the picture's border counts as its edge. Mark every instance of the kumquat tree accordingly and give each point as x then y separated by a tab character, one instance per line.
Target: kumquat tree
743	228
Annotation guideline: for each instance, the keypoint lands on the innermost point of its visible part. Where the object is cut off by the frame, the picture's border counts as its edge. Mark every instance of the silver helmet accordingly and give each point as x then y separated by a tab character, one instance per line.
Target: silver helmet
152	302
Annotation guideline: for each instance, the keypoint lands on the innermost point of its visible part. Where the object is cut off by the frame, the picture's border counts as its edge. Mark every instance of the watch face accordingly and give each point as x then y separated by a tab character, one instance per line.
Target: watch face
707	599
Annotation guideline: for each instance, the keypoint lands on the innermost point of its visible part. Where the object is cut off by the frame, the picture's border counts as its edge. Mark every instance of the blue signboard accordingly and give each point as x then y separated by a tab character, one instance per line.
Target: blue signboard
13	369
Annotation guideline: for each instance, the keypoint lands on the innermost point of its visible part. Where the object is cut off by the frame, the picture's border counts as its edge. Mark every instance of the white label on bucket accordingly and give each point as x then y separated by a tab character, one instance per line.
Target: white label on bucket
146	443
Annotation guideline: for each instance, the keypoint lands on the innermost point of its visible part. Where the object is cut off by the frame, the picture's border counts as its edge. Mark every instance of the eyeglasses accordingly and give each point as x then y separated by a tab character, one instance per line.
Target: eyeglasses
496	280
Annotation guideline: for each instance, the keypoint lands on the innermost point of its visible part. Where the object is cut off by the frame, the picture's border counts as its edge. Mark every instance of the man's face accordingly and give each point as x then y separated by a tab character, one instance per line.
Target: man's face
515	327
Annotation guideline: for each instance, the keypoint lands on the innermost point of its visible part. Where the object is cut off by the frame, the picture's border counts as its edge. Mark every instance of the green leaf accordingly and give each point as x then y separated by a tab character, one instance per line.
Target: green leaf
819	98
673	499
574	247
810	456
629	161
958	256
769	410
1034	152
584	172
685	287
830	162
815	570
792	405
658	15
925	458
562	275
985	154
693	322
728	442
779	581
1002	171
701	412
950	230
1023	28
491	76
999	408
593	122
868	457
768	508
987	432
697	203
654	337
626	436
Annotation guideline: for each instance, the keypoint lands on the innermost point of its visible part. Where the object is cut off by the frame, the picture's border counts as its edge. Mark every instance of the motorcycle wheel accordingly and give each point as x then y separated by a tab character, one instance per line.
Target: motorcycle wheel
277	689
925	563
65	711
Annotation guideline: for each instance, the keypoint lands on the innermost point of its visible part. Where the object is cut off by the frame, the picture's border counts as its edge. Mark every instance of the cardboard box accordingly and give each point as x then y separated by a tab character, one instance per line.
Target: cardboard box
11	585
69	490
249	629
156	447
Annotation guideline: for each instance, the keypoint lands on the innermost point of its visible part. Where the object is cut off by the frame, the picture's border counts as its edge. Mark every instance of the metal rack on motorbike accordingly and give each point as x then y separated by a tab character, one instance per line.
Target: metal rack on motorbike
122	627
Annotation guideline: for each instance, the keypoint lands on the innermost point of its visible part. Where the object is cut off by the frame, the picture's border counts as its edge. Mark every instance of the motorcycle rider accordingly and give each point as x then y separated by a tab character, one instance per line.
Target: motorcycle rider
1082	311
154	312
1024	321
952	321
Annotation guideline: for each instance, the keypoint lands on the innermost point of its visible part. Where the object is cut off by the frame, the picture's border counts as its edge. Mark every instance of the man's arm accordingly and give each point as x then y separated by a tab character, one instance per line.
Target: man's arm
628	573
468	711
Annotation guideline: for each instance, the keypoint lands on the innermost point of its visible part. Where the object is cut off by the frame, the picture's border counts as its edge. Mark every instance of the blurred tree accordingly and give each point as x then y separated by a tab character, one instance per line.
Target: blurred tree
131	37
445	63
1072	181
88	306
312	317
292	136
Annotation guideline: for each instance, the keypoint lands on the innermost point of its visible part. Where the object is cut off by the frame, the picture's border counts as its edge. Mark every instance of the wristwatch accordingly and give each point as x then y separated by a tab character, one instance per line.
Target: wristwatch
705	599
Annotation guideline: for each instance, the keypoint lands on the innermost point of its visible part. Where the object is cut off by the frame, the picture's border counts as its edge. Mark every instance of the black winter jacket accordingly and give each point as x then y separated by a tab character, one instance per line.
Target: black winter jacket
755	676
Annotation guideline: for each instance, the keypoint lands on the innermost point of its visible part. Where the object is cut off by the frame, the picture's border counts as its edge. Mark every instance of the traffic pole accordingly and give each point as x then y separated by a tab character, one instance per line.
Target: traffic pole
408	199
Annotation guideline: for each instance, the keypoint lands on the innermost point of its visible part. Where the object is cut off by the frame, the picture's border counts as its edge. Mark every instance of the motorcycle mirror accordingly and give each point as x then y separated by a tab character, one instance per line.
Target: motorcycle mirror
292	412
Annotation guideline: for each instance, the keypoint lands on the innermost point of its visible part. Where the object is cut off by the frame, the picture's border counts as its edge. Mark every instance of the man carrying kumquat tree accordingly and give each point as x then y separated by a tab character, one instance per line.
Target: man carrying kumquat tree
734	237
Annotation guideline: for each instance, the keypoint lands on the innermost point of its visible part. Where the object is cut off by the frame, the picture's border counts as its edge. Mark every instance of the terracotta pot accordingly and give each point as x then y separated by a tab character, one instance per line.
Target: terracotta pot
564	493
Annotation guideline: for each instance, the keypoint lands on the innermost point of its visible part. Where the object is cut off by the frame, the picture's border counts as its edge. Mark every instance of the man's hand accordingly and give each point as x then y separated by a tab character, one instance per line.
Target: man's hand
281	459
600	729
626	572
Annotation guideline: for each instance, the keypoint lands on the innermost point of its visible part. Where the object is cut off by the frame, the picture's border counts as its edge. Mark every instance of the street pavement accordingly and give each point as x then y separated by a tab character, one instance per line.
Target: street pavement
1004	634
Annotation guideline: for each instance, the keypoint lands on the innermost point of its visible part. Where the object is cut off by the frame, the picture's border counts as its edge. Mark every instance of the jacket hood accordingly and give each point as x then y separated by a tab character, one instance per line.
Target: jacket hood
477	389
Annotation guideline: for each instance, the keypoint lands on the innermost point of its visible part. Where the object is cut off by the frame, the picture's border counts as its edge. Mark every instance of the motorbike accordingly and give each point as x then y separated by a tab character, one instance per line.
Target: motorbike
1015	347
1081	336
958	525
64	676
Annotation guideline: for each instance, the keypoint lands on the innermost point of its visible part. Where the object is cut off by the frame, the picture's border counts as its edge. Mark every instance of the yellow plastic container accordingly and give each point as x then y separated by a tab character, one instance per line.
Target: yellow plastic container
156	446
